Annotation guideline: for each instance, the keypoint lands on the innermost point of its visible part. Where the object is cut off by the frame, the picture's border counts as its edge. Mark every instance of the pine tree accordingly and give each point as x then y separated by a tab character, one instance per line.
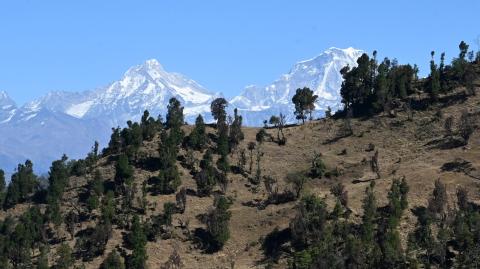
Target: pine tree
251	147
198	137
65	258
206	178
42	260
2	187
175	120
23	183
434	79
138	241
115	144
123	174
382	85
58	180
218	221
168	178
113	261
217	108
236	135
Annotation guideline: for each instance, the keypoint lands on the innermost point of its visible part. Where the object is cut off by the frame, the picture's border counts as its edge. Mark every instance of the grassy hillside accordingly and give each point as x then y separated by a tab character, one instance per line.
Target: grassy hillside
410	143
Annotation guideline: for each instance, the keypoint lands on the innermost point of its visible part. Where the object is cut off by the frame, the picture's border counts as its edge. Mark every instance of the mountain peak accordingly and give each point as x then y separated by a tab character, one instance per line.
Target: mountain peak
152	64
5	99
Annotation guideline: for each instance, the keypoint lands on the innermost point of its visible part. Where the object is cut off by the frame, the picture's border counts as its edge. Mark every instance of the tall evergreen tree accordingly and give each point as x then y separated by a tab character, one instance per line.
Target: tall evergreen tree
175	120
434	79
138	242
23	183
58	180
218	222
2	187
198	137
123	174
236	135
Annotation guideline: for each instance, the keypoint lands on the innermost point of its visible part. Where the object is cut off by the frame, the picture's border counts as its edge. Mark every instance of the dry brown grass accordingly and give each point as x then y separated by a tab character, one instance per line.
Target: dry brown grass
402	153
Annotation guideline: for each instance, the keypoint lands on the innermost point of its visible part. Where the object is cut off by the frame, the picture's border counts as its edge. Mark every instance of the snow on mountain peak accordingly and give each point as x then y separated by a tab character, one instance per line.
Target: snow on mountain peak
321	74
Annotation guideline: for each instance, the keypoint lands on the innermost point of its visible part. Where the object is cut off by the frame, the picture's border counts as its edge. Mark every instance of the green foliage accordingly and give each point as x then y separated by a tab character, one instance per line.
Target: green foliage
236	135
175	121
113	261
218	220
115	143
297	180
108	208
309	223
168	178
198	137
42	260
93	241
304	101
58	180
138	241
132	138
65	258
369	217
149	126
260	136
123	174
369	87
317	169
175	114
217	108
206	178
2	186
434	79
23	183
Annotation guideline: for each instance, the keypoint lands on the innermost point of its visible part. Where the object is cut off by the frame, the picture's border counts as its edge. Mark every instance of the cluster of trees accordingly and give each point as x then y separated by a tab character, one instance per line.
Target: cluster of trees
129	139
371	87
442	238
168	178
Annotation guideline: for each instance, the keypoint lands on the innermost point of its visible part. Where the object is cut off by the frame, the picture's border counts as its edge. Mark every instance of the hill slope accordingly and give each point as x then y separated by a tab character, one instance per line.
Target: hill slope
405	149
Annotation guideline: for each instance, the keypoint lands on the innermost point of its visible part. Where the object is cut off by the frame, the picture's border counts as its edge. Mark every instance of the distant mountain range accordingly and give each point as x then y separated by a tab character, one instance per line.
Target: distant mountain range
69	122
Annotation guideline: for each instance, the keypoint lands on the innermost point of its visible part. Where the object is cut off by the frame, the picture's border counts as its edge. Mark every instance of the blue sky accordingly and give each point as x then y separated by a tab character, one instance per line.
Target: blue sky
224	45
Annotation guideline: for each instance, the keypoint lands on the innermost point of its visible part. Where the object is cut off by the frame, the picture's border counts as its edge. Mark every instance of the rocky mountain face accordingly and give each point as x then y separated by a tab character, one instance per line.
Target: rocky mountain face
69	122
321	74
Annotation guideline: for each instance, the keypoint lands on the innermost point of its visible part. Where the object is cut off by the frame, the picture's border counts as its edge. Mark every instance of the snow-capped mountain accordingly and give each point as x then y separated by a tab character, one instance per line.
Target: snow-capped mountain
69	122
321	74
146	86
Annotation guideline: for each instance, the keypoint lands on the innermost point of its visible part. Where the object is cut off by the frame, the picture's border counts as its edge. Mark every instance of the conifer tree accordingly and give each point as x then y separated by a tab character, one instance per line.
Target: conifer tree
251	146
138	241
434	79
2	187
168	178
123	174
65	258
206	178
198	137
113	261
58	180
218	222
115	144
236	135
23	183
